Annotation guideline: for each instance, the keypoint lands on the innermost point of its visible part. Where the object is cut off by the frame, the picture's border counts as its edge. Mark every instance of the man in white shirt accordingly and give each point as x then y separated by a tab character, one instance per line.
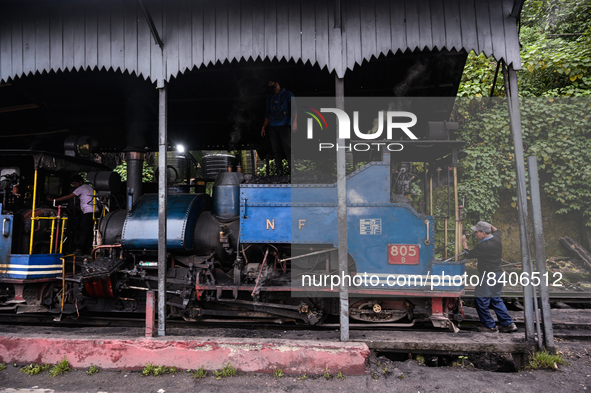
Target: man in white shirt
85	193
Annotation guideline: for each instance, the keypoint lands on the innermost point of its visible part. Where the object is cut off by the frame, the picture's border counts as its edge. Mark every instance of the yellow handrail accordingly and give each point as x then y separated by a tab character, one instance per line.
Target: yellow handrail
33	212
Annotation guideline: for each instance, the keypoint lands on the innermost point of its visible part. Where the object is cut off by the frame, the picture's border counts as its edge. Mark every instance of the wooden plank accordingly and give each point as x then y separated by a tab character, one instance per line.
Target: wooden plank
42	38
55	38
335	45
425	27
270	29
412	24
117	37
511	36
156	63
209	33
368	29
308	35
246	30
17	43
5	47
321	12
453	31
352	26
234	30
197	33
495	8
171	46
437	24
282	51
131	38
258	32
398	26
29	46
483	28
221	30
468	25
144	45
295	29
91	34
383	30
104	38
79	50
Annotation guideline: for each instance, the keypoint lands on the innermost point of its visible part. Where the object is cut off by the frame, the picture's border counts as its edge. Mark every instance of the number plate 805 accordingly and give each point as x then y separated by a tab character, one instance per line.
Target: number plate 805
403	254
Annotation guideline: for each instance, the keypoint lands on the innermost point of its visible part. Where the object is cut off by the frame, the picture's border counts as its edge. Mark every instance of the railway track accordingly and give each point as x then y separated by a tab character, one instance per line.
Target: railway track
570	331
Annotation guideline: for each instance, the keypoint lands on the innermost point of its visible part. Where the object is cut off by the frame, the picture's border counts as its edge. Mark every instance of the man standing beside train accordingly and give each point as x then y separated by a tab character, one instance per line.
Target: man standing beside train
280	121
85	193
489	252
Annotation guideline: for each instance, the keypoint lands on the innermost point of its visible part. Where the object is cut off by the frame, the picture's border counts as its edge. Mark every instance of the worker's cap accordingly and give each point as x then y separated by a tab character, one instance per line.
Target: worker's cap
482	226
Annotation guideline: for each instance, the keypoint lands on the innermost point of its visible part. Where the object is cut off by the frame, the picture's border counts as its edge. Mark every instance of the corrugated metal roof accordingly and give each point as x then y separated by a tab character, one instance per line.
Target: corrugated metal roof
59	36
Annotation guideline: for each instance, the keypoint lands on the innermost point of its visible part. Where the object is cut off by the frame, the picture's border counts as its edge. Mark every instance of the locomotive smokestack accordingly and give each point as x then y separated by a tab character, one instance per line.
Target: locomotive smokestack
135	164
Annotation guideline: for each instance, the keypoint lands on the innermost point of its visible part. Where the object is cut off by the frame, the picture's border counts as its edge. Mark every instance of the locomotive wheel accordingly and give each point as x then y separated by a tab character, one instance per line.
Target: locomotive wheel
380	311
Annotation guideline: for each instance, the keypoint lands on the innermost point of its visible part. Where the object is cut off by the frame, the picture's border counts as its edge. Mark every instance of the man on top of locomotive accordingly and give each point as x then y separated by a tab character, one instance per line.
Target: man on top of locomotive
488	292
279	121
85	193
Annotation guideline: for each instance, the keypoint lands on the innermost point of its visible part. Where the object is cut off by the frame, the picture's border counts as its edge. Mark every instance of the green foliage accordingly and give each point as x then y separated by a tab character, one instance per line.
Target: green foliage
278	373
326	373
33	369
545	360
157	371
271	170
478	77
557	131
227	371
200	373
303	377
2	366
60	368
340	375
147	172
93	370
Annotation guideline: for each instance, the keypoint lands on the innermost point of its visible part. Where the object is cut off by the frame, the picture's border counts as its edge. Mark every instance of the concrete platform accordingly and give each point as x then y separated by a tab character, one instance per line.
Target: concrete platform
244	354
295	351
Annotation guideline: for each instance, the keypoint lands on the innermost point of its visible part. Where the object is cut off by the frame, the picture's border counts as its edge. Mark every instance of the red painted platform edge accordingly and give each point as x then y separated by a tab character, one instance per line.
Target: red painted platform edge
246	355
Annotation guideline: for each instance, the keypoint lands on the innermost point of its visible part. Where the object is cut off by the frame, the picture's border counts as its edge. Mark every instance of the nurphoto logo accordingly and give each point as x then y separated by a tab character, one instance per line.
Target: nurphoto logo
392	122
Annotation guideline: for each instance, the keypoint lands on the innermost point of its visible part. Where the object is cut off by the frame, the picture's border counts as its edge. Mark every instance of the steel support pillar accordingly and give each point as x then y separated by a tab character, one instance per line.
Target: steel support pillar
515	120
162	165
342	216
536	208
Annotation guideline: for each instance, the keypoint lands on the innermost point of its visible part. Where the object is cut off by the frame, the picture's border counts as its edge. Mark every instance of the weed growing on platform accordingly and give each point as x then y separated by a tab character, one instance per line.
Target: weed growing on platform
2	366
420	359
148	369
173	370
303	377
93	370
340	375
227	371
60	368
160	370
34	369
326	373
545	360
278	373
200	373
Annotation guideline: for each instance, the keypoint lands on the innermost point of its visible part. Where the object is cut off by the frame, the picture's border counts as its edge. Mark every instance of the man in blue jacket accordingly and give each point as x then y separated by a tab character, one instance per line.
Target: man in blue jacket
279	122
488	293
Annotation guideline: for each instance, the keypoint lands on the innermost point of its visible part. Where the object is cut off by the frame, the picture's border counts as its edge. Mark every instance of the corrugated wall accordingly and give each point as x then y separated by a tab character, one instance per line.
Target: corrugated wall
66	35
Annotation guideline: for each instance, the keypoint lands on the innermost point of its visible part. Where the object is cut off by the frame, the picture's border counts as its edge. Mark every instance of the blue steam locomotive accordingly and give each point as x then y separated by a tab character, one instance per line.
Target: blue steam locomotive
263	251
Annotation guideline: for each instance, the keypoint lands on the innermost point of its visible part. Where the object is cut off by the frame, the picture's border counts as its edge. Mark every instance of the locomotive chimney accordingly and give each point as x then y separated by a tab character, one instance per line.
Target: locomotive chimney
135	164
